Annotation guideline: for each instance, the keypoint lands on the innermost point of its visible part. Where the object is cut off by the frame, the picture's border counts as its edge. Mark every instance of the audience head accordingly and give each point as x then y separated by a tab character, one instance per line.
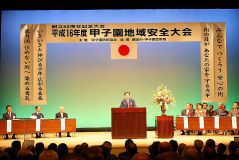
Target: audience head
84	145
107	145
165	147
11	152
221	148
210	143
4	155
39	148
181	147
174	145
62	150
168	156
48	155
25	155
141	156
16	145
132	149
153	149
198	144
31	148
52	147
190	153
232	147
127	142
209	153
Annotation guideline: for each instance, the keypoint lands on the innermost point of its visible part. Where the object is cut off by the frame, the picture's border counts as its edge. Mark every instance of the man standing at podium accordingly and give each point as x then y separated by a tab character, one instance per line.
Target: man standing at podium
9	115
38	115
127	102
62	115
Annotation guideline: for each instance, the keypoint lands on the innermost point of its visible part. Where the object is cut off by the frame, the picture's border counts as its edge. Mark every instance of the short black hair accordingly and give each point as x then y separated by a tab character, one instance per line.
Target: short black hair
211	105
126	93
8	106
128	141
36	107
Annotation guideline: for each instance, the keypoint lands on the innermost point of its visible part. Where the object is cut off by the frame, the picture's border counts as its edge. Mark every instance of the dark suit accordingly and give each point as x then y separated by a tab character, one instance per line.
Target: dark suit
58	115
64	115
39	115
191	113
7	116
125	104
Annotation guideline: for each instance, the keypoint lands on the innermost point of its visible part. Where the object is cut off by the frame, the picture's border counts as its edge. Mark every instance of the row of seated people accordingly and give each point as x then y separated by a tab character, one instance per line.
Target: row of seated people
9	115
171	150
202	109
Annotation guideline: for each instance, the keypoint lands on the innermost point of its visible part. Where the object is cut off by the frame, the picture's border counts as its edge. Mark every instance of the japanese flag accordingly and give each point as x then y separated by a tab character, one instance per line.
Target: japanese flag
123	50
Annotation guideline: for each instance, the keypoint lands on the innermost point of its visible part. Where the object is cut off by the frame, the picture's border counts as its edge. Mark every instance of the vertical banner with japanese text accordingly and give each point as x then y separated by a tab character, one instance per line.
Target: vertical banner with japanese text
26	64
220	61
39	61
33	65
207	62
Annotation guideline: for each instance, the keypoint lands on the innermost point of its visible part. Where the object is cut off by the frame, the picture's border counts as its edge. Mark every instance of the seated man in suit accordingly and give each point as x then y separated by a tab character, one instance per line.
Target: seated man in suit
38	115
234	111
61	115
9	115
127	102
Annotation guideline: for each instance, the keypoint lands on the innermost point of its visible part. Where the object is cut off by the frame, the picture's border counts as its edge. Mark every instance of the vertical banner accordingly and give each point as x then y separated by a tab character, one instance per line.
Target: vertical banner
207	62
39	61
26	64
220	61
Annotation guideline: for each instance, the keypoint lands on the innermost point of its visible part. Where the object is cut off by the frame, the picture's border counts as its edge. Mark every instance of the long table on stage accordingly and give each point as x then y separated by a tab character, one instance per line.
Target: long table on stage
208	123
128	123
27	126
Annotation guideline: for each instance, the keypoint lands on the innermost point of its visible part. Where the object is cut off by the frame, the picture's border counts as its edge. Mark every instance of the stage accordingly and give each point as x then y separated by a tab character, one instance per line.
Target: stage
97	138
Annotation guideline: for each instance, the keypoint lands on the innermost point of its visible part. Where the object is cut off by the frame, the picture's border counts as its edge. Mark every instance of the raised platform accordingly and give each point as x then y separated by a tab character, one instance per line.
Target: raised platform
97	138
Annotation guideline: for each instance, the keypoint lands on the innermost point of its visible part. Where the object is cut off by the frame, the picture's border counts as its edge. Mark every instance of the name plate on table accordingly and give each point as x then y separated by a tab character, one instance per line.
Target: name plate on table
9	126
201	122
234	122
38	125
185	122
63	124
216	122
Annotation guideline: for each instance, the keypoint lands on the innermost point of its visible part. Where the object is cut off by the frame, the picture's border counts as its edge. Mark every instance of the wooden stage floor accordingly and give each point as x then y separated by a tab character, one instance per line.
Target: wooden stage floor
97	138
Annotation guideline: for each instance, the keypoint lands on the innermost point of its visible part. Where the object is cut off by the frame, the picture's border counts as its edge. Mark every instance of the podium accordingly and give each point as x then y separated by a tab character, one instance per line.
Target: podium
128	123
164	126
